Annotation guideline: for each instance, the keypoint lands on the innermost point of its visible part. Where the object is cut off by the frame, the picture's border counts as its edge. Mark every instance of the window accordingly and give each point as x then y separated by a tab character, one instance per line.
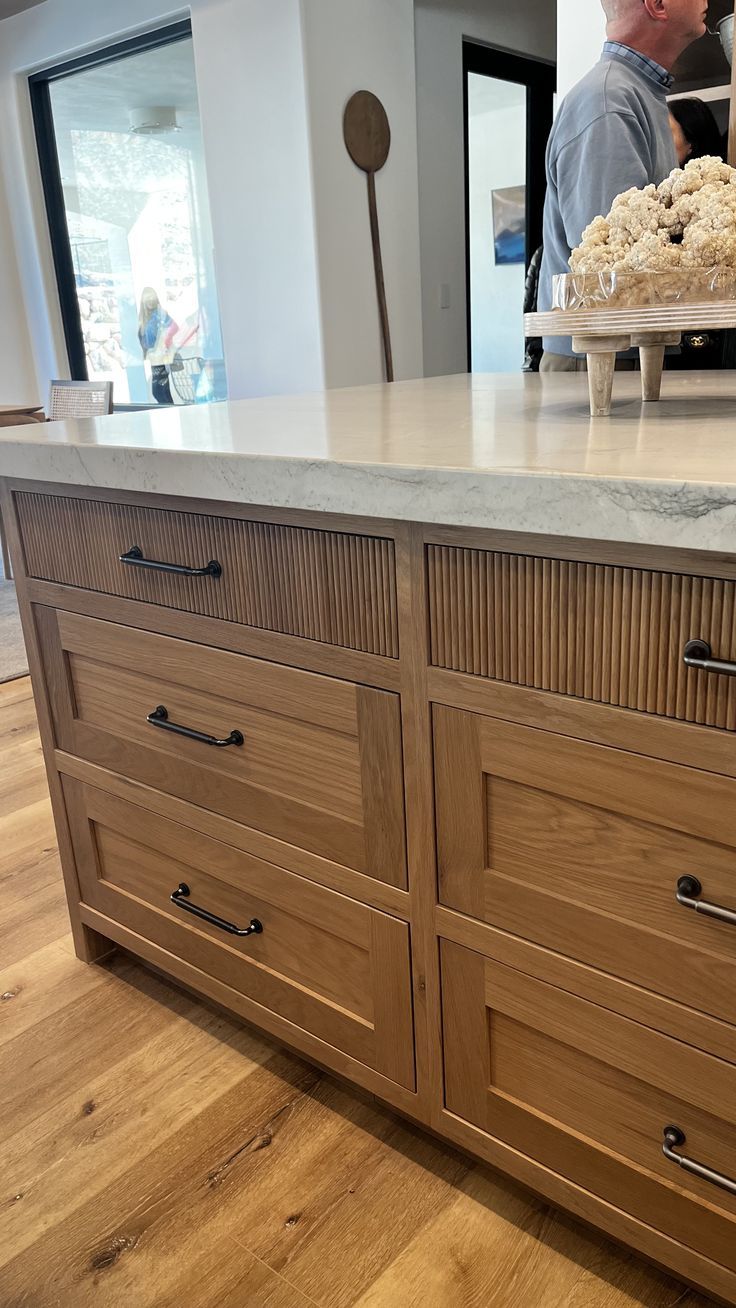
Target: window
122	164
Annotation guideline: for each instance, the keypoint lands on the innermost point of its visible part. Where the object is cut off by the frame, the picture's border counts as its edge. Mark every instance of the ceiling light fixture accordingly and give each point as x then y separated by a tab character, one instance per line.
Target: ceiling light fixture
154	120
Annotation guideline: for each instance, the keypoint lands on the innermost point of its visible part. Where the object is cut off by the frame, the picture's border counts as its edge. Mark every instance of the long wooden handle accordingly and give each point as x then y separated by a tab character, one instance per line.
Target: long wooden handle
732	117
380	285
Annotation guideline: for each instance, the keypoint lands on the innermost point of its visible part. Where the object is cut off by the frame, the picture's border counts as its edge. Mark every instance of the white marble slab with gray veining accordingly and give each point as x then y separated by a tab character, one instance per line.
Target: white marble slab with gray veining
508	452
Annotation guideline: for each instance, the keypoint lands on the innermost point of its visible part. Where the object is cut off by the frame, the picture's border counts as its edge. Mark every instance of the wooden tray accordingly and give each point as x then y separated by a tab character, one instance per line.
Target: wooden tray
601	333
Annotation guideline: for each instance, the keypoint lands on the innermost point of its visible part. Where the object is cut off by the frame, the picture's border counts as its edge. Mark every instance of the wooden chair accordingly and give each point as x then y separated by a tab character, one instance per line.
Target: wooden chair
76	399
13	420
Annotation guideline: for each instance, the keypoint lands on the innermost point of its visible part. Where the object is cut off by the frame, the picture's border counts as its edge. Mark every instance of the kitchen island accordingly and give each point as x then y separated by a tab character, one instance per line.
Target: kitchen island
400	721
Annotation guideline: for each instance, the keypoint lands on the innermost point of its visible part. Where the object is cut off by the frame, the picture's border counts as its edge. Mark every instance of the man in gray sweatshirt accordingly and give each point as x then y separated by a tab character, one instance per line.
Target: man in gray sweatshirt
612	132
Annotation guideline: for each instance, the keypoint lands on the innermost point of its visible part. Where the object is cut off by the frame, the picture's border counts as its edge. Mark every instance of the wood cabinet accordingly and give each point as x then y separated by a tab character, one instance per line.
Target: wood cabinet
326	964
608	634
330	586
581	848
317	761
590	1094
467	791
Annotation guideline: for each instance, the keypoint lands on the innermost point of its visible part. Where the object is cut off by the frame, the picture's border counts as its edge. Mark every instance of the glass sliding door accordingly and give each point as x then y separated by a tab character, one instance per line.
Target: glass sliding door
508	102
126	193
497	221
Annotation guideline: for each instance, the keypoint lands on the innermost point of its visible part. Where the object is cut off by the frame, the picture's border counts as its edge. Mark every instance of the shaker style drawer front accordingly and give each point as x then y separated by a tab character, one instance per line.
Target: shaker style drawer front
612	635
585	850
327	586
330	966
310	760
591	1095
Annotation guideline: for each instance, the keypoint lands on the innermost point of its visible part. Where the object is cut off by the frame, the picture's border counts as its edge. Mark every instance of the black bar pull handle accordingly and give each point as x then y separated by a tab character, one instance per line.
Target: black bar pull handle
180	898
134	556
160	718
689	890
674	1137
698	654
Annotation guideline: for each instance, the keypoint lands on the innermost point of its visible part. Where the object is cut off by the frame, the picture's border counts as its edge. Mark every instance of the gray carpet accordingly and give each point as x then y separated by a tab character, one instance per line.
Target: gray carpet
13	660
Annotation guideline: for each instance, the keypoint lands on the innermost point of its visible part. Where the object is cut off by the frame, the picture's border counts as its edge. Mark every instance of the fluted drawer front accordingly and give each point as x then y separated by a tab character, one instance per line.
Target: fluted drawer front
613	635
327	586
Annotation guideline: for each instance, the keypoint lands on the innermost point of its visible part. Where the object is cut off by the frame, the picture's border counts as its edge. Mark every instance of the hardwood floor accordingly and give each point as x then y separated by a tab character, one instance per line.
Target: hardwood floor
155	1154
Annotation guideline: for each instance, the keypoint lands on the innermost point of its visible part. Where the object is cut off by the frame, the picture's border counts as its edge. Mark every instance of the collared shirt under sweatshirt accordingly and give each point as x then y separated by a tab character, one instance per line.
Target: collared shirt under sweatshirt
612	132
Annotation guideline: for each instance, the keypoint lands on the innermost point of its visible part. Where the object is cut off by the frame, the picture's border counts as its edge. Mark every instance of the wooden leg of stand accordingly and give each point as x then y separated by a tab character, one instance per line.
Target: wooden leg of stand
601	368
651	353
601	354
652	367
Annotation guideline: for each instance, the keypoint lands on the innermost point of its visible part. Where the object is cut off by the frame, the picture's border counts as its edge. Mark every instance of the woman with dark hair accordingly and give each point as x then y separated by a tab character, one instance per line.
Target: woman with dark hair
697	134
695	130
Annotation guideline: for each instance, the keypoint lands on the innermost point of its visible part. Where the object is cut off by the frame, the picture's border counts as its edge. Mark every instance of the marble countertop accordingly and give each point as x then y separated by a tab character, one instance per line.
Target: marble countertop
517	453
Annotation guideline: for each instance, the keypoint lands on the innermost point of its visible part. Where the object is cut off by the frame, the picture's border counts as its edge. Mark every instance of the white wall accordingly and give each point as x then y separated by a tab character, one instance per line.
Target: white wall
526	26
581	31
250	79
17	376
251	87
352	45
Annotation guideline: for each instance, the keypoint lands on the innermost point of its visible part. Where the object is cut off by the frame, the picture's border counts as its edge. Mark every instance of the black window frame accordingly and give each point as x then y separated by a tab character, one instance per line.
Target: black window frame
39	84
539	76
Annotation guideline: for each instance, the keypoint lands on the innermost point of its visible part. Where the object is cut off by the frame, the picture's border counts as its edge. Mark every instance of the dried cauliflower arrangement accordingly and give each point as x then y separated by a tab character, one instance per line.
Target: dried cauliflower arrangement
687	222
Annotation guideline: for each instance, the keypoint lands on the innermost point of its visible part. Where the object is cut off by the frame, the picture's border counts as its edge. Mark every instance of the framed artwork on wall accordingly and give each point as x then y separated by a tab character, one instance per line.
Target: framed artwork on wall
509	224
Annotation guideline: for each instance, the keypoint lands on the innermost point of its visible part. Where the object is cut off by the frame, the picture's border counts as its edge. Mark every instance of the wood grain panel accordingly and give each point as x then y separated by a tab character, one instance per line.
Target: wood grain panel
641	733
589	1094
320	766
356	885
612	635
333	967
689	1025
579	848
327	586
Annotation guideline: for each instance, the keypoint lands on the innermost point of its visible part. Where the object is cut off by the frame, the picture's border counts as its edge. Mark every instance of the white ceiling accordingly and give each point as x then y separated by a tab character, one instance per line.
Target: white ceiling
9	7
101	98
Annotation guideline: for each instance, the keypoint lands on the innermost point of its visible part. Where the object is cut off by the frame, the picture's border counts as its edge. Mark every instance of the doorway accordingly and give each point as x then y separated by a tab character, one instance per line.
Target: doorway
508	117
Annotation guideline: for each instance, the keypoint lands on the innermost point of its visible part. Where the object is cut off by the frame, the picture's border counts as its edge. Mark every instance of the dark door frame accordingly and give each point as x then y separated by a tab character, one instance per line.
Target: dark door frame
48	158
540	79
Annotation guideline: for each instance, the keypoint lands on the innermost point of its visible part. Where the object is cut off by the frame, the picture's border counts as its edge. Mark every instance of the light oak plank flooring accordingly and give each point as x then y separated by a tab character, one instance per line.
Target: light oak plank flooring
155	1154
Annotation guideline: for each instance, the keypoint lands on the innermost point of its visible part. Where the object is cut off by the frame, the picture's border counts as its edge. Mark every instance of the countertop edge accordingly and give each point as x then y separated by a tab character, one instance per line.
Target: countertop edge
684	515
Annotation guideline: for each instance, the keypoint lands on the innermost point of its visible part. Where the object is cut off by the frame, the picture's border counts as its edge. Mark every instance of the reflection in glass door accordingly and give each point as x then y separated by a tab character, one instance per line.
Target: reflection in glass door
497	199
123	169
508	116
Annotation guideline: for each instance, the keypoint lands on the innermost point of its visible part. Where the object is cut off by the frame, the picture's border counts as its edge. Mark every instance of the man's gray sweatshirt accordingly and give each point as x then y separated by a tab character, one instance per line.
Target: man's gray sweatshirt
612	132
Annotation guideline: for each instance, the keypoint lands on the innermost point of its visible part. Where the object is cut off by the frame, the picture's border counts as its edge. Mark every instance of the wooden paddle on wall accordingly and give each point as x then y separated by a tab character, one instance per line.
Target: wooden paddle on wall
368	140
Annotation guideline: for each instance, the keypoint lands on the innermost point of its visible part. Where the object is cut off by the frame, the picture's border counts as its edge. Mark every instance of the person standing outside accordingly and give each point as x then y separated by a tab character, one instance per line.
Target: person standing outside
612	132
156	331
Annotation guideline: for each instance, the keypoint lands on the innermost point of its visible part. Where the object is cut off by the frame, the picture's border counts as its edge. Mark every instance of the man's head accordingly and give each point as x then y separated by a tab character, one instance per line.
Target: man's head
661	29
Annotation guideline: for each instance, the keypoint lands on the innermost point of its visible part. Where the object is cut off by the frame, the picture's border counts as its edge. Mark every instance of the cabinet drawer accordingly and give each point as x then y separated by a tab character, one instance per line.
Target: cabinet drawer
580	848
319	766
329	965
589	1094
614	635
327	586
